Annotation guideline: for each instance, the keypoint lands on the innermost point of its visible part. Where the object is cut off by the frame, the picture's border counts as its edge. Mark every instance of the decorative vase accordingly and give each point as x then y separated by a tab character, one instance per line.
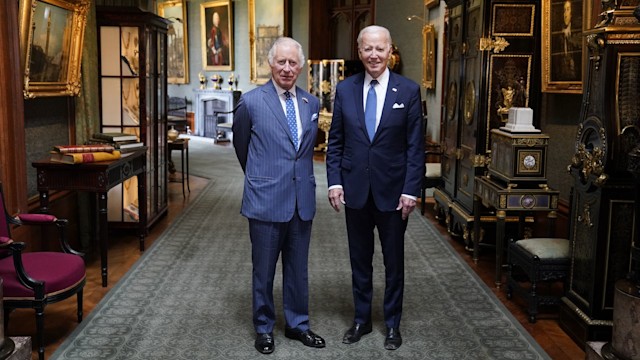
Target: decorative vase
172	134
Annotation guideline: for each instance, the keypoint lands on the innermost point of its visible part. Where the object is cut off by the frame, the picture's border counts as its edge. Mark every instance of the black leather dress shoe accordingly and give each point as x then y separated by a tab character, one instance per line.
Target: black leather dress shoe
309	338
356	331
393	340
264	343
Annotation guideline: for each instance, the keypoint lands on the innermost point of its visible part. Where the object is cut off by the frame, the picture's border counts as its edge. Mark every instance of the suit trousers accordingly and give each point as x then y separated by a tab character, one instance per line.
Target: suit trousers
268	241
360	230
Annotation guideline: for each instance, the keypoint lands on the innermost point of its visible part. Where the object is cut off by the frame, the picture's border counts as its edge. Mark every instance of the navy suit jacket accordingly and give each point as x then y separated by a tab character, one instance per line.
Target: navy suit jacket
277	177
390	165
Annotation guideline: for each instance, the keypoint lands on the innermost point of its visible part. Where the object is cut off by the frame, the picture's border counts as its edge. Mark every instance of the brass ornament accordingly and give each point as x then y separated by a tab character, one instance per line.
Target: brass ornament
469	102
498	44
452	100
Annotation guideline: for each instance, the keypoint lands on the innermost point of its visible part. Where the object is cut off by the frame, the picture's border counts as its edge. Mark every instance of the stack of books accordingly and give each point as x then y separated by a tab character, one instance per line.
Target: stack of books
79	154
120	141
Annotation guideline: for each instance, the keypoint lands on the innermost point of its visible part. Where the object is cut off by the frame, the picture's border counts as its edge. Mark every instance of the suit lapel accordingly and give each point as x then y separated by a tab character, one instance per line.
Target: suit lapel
305	116
358	86
389	99
273	103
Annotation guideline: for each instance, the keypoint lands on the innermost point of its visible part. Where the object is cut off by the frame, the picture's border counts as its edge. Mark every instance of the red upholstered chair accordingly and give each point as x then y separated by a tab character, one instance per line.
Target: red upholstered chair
35	279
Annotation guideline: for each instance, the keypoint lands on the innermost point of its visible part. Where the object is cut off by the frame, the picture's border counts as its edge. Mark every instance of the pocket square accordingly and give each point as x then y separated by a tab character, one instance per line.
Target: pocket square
314	117
398	106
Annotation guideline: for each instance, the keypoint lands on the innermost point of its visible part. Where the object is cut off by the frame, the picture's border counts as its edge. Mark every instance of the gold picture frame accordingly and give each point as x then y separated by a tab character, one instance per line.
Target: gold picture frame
431	3
177	41
217	45
563	47
51	37
268	20
429	56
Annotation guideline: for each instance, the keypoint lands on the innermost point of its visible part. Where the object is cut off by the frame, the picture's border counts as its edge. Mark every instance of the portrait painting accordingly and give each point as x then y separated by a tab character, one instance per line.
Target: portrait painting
217	35
51	36
177	41
562	46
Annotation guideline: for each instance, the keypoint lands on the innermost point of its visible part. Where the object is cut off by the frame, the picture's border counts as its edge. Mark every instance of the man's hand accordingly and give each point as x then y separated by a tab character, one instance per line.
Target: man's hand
407	205
336	197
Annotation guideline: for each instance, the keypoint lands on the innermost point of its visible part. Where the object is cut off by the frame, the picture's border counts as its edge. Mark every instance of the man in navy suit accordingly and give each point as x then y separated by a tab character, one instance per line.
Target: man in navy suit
375	165
274	131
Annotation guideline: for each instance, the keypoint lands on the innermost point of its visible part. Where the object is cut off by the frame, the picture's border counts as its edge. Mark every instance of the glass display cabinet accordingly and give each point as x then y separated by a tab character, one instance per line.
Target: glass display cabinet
133	99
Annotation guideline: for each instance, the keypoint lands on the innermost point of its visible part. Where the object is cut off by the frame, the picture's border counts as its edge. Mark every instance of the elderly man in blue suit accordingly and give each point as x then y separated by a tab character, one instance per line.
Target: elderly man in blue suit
274	131
375	165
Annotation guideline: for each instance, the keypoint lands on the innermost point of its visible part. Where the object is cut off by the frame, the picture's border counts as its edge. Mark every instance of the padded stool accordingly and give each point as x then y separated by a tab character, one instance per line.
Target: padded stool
542	260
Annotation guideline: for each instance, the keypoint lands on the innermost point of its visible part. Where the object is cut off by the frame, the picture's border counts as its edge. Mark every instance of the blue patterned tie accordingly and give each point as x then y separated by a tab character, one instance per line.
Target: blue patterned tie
291	117
370	110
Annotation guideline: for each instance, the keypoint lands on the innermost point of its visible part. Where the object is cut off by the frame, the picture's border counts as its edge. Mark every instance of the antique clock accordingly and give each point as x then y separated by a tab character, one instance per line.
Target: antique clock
602	209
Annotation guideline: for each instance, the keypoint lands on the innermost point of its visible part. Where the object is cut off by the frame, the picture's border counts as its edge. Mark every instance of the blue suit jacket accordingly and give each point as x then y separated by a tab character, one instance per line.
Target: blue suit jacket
277	177
390	165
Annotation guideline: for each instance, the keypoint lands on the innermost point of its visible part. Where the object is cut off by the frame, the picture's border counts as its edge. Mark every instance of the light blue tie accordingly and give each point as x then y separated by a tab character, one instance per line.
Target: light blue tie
370	110
291	117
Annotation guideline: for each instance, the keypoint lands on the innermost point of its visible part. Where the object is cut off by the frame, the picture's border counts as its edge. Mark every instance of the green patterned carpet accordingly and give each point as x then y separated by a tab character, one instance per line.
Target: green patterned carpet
189	296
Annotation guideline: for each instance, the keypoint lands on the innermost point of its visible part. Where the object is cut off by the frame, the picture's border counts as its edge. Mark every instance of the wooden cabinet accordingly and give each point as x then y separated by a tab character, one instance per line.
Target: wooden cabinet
602	213
132	47
491	47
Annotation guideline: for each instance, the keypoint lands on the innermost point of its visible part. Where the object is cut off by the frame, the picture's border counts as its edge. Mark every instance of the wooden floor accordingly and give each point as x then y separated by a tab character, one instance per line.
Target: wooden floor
60	318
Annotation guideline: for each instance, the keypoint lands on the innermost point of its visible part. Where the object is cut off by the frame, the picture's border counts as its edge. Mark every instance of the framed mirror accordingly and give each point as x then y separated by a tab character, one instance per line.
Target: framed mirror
428	56
51	37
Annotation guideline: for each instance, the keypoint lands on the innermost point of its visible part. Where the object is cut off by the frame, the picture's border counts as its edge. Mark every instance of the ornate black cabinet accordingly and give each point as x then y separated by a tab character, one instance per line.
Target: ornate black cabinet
602	214
491	47
133	99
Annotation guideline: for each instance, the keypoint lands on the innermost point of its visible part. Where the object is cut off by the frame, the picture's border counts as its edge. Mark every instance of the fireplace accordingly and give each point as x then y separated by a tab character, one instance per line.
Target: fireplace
209	104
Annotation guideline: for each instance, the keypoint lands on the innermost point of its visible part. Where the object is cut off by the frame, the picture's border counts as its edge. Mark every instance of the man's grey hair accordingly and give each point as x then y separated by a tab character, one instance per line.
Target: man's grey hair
290	41
374	29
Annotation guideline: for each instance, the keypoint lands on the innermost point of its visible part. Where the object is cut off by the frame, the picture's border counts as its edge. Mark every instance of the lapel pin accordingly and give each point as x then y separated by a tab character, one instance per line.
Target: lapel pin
305	99
394	89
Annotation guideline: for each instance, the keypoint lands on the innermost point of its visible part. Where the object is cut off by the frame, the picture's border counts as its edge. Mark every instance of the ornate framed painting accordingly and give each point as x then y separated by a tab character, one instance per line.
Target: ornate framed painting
177	41
216	24
431	3
268	20
428	56
51	38
562	46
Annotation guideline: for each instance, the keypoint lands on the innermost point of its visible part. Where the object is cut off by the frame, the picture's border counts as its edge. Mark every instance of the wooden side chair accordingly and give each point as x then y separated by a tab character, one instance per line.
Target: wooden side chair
432	173
177	113
432	163
36	279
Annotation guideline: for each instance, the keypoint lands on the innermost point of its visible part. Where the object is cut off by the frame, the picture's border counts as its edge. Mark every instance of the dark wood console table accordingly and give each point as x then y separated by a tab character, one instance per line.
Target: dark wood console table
98	178
510	198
